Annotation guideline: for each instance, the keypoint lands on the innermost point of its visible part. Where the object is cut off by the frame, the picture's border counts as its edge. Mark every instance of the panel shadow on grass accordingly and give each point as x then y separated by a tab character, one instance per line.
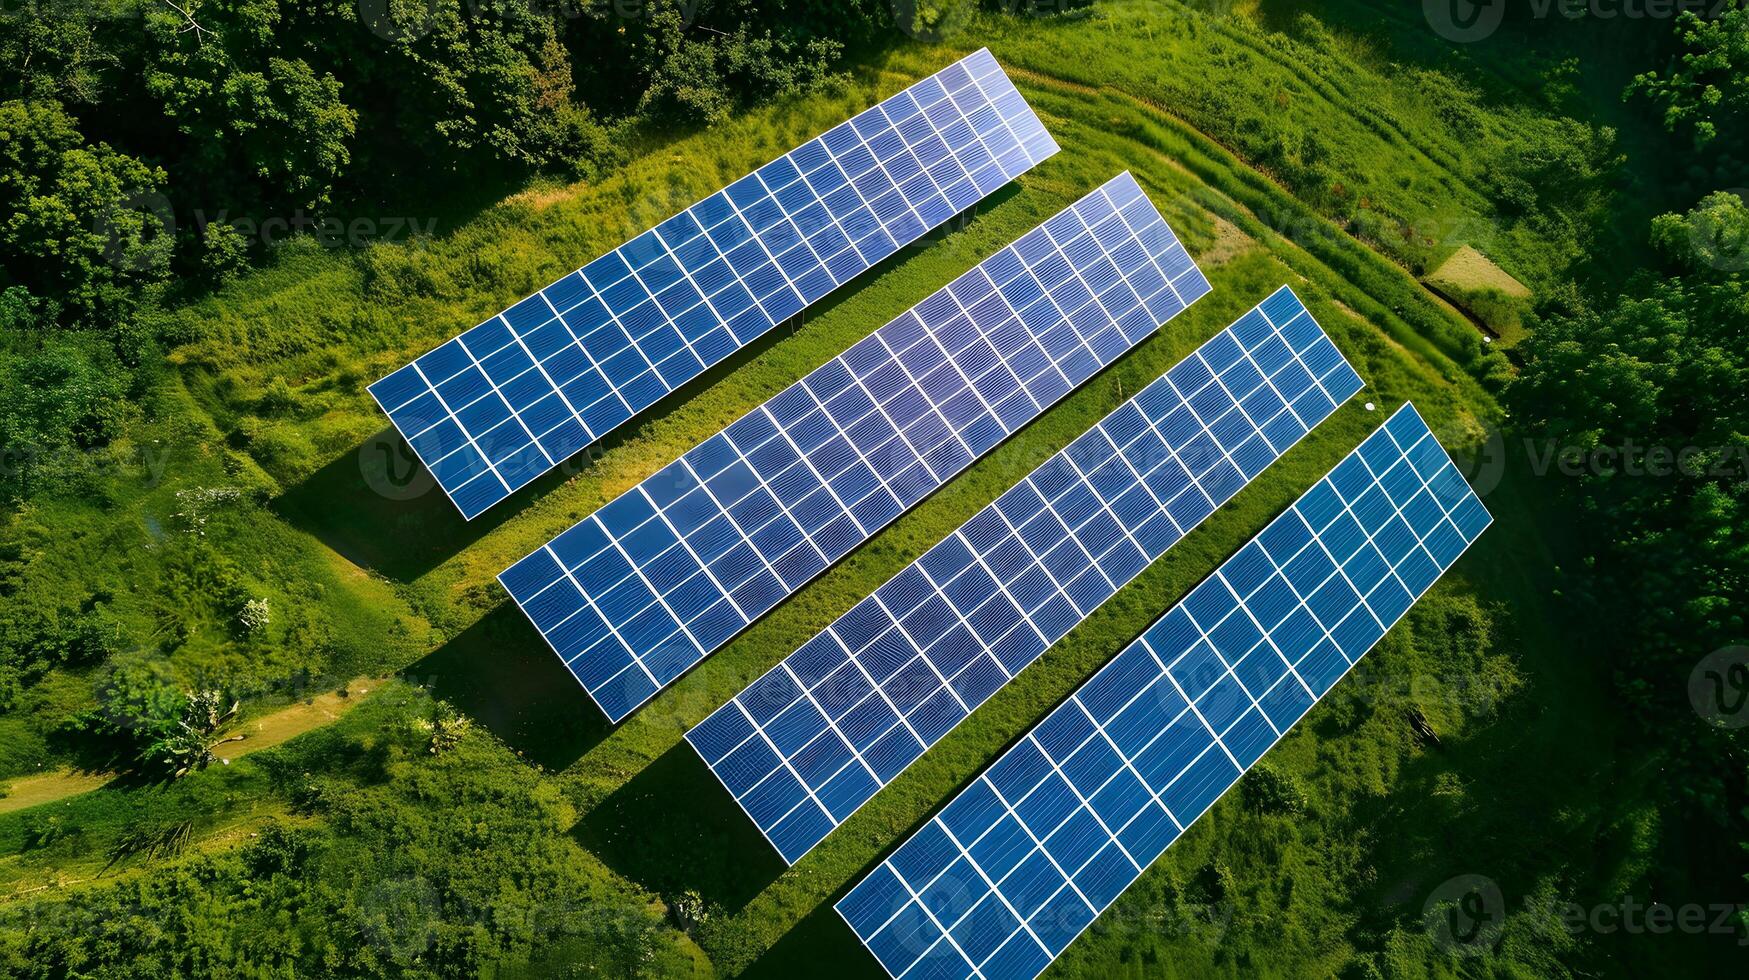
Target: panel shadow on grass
379	508
504	676
821	937
673	828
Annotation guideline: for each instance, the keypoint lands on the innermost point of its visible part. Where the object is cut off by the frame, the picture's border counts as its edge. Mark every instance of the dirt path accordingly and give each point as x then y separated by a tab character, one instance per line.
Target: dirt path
263	732
294	720
47	787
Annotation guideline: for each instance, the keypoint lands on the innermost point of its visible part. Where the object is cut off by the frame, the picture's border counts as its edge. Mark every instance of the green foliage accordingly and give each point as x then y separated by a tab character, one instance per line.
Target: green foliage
149	726
1503	313
1267	789
404	865
1713	235
62	397
275	124
280	850
1555	180
135	709
446	728
278	399
35	640
933	20
1705	91
702	78
491	81
224	253
17	311
82	226
1655	379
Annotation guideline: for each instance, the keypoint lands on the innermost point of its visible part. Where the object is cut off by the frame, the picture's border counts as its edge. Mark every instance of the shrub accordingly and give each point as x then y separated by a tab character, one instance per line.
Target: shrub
1268	790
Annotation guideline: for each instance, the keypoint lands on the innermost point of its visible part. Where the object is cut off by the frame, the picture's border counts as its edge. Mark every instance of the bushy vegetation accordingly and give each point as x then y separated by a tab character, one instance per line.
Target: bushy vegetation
1704	93
381	858
254	109
1645	393
149	147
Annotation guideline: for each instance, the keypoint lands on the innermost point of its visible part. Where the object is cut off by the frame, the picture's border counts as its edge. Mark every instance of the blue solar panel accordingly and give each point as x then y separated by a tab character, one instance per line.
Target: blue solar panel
808	743
496	407
1010	872
684	560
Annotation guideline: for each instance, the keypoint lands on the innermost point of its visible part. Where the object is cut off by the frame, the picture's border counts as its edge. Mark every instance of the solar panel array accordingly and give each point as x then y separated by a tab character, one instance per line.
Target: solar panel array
819	734
504	402
1011	871
651	583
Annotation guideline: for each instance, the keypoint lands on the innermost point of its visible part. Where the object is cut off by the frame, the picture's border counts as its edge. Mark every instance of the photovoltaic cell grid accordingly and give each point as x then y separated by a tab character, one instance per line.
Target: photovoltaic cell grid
644	588
1011	871
808	743
504	402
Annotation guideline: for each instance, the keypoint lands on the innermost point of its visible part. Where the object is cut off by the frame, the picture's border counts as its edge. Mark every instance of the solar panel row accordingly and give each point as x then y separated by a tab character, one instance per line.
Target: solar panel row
817	736
1016	866
648	585
494	408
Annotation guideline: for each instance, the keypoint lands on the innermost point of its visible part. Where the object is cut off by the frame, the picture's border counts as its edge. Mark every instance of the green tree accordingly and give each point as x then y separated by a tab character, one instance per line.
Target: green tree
272	124
152	726
702	76
1657	377
64	51
1705	91
61	396
1556	182
1714	234
81	226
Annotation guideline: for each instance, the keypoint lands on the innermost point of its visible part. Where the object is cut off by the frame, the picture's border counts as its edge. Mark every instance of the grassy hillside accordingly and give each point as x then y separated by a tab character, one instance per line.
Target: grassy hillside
1306	157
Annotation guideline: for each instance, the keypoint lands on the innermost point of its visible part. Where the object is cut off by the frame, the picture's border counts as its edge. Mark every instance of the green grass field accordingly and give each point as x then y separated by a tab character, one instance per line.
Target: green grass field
271	399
